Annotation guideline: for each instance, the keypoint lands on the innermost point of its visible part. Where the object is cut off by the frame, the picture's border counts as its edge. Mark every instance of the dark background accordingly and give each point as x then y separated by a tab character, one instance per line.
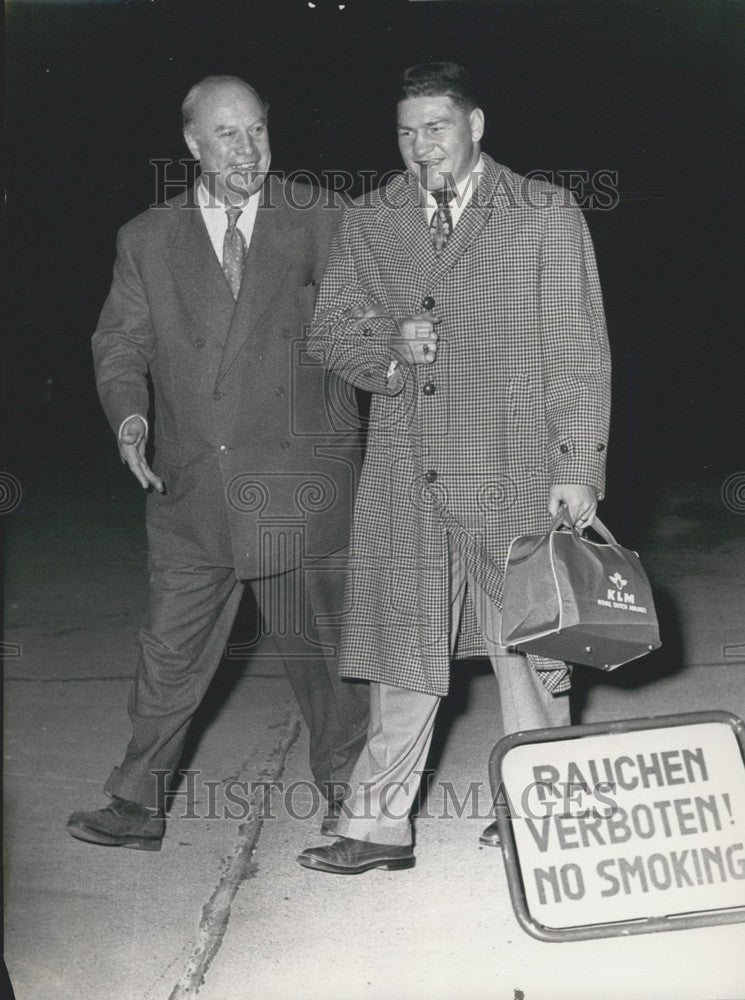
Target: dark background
654	91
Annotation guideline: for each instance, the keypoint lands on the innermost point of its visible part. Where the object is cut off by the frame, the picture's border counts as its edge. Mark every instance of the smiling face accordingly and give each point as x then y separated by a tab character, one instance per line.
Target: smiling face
229	137
439	141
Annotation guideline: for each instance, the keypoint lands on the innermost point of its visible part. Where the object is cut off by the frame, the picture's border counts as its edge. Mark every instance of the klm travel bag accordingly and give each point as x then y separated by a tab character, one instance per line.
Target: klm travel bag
569	598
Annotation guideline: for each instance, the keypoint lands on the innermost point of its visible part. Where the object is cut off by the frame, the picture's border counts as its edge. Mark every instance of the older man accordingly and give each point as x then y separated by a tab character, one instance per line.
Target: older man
251	482
466	299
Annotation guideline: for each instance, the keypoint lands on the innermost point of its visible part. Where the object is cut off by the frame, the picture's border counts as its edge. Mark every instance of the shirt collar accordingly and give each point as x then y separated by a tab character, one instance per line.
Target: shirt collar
207	200
463	188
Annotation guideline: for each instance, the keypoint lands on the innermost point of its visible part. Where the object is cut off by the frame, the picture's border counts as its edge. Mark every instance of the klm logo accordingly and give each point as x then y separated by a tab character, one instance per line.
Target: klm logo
617	593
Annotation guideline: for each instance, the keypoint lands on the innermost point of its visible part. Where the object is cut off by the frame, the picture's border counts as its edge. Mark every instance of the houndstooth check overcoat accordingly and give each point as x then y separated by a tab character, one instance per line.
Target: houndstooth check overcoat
518	399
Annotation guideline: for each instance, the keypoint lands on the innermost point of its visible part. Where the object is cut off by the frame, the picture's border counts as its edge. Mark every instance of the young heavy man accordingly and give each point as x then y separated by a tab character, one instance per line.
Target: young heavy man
466	299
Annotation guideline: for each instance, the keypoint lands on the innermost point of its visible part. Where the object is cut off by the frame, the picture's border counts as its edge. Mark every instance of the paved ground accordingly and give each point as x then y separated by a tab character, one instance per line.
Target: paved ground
224	911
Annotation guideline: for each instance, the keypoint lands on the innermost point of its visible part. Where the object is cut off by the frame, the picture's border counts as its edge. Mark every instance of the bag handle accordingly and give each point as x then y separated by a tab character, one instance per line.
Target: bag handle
562	520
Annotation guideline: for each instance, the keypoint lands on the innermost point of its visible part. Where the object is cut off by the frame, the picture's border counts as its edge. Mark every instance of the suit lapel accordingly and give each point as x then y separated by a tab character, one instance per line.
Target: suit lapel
494	193
490	195
270	253
200	279
408	223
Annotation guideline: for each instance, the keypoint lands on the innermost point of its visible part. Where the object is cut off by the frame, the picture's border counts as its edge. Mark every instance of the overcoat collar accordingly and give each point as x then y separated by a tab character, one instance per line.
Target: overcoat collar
496	192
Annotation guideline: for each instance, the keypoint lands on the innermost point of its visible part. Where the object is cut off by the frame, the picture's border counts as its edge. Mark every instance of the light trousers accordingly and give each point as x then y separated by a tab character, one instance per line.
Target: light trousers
385	780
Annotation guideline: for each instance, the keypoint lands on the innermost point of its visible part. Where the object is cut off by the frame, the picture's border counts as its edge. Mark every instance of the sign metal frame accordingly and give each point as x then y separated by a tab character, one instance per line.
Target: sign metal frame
617	928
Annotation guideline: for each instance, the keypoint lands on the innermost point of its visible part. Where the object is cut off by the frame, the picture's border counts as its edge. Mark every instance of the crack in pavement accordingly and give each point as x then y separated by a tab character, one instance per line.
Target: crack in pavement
236	867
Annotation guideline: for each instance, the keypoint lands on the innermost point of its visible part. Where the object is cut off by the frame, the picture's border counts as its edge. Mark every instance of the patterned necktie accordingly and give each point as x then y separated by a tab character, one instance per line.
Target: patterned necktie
441	225
233	251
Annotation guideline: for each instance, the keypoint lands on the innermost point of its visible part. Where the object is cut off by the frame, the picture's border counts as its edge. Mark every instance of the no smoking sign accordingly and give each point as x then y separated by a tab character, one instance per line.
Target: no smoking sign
625	827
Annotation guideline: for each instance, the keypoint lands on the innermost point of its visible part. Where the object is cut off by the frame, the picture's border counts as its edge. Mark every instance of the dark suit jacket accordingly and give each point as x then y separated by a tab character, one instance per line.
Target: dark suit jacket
258	447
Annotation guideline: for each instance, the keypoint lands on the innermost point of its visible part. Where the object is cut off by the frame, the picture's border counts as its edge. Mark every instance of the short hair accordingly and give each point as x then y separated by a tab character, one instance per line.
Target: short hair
191	101
438	79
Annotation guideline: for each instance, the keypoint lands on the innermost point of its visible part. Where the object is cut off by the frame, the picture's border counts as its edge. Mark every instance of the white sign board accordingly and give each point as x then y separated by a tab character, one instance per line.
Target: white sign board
628	825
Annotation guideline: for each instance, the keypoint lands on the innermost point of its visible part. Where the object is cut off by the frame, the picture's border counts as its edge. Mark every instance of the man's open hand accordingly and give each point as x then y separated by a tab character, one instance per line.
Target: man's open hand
132	441
582	502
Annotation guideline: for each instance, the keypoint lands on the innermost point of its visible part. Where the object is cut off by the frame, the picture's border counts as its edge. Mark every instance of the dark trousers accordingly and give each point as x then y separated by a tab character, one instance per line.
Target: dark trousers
192	610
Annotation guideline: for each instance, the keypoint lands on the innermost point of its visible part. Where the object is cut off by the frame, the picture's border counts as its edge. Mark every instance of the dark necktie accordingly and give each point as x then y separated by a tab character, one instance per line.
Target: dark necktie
233	251
441	226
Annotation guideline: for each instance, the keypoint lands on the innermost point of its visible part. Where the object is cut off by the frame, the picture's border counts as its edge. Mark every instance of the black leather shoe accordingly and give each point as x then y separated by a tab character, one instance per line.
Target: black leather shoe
490	837
351	857
119	824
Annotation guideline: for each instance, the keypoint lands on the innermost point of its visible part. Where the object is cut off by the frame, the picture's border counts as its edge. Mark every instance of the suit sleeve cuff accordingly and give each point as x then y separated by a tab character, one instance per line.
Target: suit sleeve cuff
143	419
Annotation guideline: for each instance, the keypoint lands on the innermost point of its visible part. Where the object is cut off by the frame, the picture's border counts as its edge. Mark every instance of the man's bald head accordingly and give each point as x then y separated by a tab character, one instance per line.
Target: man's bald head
193	99
225	129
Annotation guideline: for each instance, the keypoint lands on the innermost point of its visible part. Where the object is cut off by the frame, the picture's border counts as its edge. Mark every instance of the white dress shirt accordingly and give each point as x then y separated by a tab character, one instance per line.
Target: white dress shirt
463	192
216	220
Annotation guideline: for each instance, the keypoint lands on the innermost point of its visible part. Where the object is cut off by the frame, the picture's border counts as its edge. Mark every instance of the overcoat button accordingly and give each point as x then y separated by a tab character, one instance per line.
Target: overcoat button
564	448
428	388
199	342
428	303
601	447
430	476
367	332
217	395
